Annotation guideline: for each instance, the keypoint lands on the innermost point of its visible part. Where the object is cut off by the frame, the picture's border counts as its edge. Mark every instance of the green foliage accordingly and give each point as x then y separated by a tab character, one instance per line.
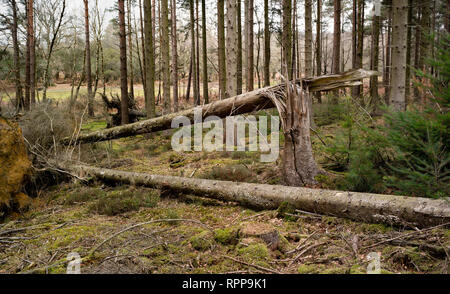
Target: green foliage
124	201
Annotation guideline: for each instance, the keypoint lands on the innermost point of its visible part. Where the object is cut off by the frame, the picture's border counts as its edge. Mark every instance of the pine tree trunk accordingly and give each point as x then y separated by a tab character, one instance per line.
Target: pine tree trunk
308	38
239	48
387	72
144	53
286	39
360	43
32	52
266	44
130	47
88	60
424	43
365	207
221	49
165	51
232	48
408	53
197	54
375	61
249	44
336	44
123	65
174	56
397	96
149	60
204	55
319	45
16	59
194	53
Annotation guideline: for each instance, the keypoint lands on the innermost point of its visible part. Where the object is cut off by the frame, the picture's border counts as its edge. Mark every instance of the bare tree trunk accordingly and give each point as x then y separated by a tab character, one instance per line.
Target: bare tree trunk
266	44
232	48
174	56
336	43
249	44
239	47
144	54
130	47
308	38
366	207
149	60
221	49
356	93
375	61
88	60
32	52
165	51
197	55
387	72
319	45
408	53
424	42
194	54
188	91
397	96
123	65
16	60
204	55
286	39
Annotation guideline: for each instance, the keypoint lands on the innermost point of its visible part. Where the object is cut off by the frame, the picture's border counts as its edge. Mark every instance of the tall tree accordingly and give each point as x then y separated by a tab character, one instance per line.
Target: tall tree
399	30
319	45
197	47
31	52
286	38
221	48
144	53
408	51
425	36
375	56
204	55
232	48
16	60
266	44
308	38
356	92
149	60
194	53
388	59
130	47
249	43
174	56
239	47
165	54
123	65
88	59
336	43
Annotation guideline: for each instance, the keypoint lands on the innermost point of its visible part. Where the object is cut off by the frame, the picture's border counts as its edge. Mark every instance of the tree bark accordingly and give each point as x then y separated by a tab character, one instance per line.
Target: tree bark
232	48
88	59
356	92
239	71
165	51
194	53
149	60
286	39
130	46
266	44
337	44
308	38
249	44
375	61
399	30
221	49
364	207
32	52
204	55
387	67
408	52
123	64
244	103
16	60
319	45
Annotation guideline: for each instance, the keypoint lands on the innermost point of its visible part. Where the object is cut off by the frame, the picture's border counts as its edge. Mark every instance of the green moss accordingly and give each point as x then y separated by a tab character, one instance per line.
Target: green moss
308	269
284	209
374	228
254	252
357	270
227	236
334	271
201	241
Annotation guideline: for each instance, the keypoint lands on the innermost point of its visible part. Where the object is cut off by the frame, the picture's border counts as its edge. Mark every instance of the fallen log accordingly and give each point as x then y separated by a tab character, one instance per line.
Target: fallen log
245	103
365	207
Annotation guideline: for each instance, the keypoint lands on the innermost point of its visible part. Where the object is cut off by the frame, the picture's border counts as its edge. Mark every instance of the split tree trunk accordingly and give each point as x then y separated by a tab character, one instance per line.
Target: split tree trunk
245	103
365	207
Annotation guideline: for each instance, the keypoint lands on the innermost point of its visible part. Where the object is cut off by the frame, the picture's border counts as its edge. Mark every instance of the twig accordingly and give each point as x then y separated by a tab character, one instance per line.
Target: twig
306	250
253	265
146	223
405	235
301	243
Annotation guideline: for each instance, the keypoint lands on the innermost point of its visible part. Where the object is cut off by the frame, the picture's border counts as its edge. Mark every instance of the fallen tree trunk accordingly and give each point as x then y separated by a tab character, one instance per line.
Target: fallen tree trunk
245	103
365	207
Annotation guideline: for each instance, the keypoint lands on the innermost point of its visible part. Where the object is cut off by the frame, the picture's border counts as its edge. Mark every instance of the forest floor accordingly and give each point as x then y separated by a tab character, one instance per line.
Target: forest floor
209	236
